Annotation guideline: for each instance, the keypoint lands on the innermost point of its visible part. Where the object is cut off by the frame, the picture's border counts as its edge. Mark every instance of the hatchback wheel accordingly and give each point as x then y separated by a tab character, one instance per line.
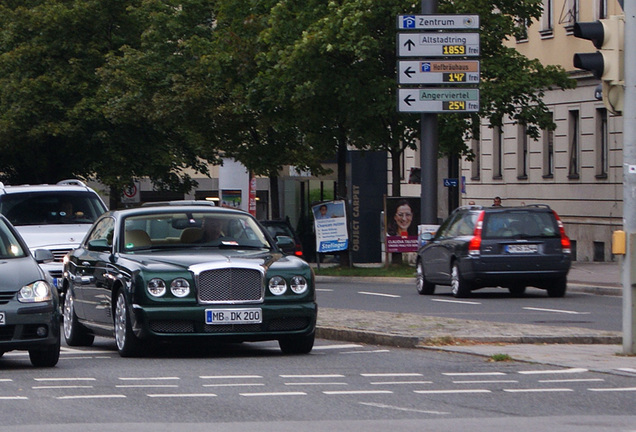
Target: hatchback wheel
423	286
459	286
558	287
45	357
75	333
128	344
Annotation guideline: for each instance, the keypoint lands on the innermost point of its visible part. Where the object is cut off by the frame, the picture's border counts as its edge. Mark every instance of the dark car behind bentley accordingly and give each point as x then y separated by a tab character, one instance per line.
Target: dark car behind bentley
510	247
197	273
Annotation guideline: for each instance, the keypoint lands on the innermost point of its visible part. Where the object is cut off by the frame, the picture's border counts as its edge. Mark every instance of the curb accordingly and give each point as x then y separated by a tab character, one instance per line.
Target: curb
399	341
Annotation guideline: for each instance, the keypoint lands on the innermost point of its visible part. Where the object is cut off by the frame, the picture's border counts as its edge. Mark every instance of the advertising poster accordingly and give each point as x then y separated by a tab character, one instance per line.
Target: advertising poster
402	220
330	222
231	198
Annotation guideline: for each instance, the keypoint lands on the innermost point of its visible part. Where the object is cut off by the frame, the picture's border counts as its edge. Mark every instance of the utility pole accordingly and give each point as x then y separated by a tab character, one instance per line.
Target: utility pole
428	151
629	181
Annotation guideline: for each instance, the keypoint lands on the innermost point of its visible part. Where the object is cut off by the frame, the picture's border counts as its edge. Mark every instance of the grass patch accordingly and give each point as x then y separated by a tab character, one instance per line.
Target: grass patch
500	358
392	270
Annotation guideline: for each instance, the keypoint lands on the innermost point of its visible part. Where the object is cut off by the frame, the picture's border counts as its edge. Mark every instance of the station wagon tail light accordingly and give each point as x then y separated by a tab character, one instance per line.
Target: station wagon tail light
475	243
565	240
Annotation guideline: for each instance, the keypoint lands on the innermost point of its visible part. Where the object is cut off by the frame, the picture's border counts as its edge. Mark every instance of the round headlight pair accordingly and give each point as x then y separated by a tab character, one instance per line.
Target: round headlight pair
38	291
278	285
178	287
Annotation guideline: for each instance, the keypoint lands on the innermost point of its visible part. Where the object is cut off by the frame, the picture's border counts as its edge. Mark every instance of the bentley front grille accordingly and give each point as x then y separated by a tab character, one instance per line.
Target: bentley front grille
230	285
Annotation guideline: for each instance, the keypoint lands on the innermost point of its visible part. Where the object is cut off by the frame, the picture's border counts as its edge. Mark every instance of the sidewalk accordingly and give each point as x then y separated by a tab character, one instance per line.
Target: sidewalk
552	345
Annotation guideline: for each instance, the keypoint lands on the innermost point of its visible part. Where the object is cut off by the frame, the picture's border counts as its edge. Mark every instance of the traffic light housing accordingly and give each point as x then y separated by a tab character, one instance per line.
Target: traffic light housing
606	64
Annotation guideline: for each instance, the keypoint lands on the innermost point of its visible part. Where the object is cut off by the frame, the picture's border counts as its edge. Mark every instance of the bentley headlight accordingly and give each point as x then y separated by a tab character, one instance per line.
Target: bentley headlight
180	287
298	284
38	291
156	287
277	285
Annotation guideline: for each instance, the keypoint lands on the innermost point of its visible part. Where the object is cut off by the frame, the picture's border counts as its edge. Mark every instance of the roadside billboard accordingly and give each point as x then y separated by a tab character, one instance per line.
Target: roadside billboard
330	223
401	224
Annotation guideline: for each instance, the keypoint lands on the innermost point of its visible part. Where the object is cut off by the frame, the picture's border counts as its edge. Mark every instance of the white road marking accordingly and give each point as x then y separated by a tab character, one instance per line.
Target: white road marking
180	395
400	382
5	380
234	385
330	347
65	379
61	387
571	380
556	311
378	294
558	371
366	352
538	390
376	405
13	398
399	374
456	301
148	378
102	396
620	389
229	376
324	289
627	370
473	373
485	381
317	384
146	386
275	394
451	391
313	376
357	392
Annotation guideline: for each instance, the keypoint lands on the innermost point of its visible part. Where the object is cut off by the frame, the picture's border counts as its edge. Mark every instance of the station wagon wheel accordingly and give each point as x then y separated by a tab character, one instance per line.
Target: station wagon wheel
128	344
517	290
297	344
75	333
558	287
459	286
46	357
423	286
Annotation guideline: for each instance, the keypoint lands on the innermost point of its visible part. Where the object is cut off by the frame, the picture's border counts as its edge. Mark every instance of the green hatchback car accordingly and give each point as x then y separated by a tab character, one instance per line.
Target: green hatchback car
186	272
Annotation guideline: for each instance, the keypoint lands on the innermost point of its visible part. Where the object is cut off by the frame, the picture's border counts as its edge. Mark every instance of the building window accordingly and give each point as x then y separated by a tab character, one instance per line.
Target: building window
522	30
602	141
547	19
548	153
497	153
573	137
476	165
569	15
522	152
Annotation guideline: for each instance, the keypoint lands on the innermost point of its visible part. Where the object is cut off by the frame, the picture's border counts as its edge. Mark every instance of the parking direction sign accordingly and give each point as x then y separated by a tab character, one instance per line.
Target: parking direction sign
438	22
438	44
438	72
438	100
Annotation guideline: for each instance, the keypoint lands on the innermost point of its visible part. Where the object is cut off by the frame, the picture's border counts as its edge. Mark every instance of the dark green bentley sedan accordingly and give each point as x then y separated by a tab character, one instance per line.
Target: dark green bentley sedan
186	272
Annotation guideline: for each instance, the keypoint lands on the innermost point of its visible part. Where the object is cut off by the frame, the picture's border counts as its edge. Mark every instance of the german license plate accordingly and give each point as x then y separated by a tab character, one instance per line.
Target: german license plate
234	316
522	248
2	319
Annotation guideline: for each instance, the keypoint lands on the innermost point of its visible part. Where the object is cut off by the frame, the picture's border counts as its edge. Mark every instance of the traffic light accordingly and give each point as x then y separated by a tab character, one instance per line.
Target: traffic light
606	64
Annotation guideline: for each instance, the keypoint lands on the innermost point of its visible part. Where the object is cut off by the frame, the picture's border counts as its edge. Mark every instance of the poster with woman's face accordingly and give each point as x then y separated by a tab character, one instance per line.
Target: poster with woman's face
402	219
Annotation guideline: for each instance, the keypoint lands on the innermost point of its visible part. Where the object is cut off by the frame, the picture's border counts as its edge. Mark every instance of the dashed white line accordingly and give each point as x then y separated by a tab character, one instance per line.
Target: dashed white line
485	382
274	394
538	390
366	352
148	378
313	376
57	387
13	398
456	301
400	382
230	376
378	294
452	391
234	385
327	383
619	389
399	374
146	386
557	371
556	311
357	392
181	395
473	373
333	347
571	380
377	405
65	379
102	396
632	370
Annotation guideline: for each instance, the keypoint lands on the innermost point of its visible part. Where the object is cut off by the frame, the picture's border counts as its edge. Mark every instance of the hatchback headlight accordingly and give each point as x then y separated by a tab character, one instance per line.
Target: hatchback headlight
38	291
298	284
180	287
277	285
156	287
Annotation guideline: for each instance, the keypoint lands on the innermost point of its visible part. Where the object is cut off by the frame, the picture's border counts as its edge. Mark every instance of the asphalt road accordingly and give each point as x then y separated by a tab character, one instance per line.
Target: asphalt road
337	387
491	304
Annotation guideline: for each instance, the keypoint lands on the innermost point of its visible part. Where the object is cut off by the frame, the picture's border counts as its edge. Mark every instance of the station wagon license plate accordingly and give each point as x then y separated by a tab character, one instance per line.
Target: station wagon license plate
522	248
234	316
2	319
